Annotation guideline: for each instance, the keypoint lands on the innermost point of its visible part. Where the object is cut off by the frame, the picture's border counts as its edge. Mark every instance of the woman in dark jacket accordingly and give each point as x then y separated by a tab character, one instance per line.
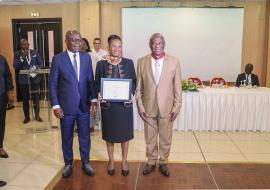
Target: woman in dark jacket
117	117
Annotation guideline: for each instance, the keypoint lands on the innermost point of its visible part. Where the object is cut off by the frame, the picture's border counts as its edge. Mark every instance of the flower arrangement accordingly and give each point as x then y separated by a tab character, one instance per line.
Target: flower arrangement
189	85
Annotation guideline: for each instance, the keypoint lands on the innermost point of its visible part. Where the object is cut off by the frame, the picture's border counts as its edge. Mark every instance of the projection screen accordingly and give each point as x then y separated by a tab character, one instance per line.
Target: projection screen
207	41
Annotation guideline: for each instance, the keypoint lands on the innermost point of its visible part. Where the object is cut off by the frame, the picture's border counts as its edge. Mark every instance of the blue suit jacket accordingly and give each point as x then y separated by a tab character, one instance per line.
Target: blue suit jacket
65	89
23	65
6	83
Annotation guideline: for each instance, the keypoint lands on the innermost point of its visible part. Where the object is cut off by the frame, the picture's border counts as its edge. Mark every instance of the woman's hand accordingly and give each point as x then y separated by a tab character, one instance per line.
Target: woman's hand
100	99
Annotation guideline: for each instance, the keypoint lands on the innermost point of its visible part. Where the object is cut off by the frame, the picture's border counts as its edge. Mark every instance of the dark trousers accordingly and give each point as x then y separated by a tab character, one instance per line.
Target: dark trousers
3	105
26	97
67	128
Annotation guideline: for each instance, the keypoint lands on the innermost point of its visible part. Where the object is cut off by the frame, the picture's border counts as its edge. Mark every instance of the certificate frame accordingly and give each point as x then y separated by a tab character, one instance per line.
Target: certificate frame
115	89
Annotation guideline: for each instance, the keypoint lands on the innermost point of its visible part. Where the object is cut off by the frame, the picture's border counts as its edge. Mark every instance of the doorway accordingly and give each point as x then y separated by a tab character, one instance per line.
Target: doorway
44	35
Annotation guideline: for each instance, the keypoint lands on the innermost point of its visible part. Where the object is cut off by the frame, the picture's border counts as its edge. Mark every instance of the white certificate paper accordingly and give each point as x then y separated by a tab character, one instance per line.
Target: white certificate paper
116	90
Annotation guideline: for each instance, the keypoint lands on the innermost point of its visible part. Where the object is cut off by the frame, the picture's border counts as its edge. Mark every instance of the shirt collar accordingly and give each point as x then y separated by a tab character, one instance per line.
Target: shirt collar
158	57
72	53
28	51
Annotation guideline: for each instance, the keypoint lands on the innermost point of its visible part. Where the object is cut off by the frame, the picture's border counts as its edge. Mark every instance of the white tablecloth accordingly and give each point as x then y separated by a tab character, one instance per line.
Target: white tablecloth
226	109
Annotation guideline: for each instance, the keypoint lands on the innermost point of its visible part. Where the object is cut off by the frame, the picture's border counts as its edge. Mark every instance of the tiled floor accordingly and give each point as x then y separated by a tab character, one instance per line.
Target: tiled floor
36	157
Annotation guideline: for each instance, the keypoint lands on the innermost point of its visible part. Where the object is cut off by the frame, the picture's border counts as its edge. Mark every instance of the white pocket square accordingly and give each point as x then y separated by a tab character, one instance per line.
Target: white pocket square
34	55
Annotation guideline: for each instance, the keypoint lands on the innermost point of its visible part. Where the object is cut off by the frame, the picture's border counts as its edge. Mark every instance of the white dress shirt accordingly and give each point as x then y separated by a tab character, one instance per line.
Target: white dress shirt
160	62
71	57
100	55
248	77
28	59
94	62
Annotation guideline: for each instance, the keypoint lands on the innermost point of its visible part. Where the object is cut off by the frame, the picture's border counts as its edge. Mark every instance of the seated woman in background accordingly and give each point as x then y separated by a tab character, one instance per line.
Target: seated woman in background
117	117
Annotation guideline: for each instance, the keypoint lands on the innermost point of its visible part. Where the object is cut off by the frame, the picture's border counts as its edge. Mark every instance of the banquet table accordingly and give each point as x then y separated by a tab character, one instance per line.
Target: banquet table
222	109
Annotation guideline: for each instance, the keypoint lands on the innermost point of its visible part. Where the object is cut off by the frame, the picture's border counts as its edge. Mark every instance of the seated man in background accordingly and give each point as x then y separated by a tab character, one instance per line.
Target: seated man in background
247	77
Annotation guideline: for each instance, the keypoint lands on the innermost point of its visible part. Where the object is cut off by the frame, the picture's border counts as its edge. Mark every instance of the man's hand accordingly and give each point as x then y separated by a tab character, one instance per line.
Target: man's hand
93	108
173	116
10	97
143	115
58	112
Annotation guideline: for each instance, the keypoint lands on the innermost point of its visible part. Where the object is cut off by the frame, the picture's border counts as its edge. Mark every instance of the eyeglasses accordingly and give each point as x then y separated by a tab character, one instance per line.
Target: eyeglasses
97	43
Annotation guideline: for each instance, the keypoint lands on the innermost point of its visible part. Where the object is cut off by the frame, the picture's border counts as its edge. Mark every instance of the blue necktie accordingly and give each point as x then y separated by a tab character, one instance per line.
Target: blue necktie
75	65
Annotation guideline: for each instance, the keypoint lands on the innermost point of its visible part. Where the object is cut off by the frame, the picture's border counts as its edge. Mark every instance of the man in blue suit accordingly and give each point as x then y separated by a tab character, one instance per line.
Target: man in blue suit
72	92
26	59
6	94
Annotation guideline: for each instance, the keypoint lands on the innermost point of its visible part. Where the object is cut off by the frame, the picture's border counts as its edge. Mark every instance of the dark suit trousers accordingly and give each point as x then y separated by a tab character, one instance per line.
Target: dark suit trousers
26	98
67	128
3	105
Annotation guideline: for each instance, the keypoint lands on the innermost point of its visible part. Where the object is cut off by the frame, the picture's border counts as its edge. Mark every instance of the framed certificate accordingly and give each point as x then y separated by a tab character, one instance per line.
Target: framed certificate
115	89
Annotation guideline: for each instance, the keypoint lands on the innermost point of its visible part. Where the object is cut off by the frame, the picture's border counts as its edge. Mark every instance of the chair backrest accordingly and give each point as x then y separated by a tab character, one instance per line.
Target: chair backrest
218	80
196	80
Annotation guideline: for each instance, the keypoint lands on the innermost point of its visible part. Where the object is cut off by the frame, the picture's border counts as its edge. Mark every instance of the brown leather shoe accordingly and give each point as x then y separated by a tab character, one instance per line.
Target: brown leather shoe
163	168
148	169
3	153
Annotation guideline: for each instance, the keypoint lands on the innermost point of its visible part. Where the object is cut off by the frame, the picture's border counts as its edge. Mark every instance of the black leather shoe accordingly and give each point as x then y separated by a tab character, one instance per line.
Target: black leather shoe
26	120
2	183
163	168
88	169
3	153
38	118
111	172
125	172
67	171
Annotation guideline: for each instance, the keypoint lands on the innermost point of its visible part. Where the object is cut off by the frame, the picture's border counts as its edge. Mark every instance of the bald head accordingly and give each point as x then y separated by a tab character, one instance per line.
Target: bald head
248	68
73	40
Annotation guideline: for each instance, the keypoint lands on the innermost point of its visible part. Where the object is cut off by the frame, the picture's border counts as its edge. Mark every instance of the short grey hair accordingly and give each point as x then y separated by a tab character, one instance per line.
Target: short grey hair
154	36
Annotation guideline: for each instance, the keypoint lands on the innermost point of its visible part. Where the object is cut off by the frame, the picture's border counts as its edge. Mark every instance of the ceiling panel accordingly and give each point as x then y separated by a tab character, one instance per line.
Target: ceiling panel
27	2
34	2
10	3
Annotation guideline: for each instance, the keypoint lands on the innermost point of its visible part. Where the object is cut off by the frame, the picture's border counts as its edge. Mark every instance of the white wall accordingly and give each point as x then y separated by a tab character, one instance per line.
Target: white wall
207	41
